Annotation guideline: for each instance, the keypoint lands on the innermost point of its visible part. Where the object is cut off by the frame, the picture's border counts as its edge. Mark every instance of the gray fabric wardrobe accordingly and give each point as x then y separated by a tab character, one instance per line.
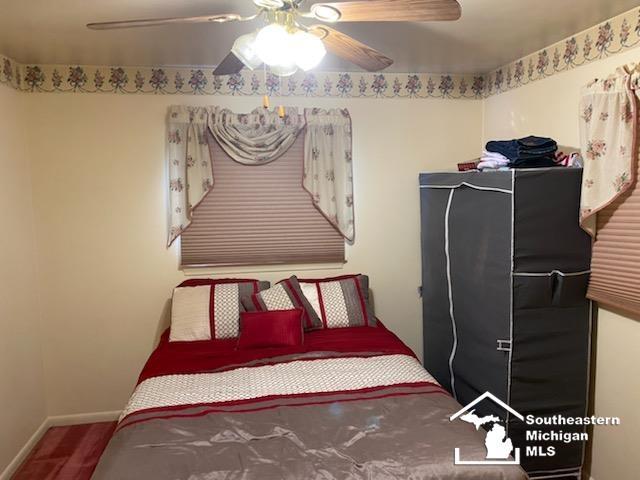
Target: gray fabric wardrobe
504	274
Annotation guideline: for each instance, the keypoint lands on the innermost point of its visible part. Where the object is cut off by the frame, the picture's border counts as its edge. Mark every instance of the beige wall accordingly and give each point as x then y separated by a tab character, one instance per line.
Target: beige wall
549	108
22	398
106	276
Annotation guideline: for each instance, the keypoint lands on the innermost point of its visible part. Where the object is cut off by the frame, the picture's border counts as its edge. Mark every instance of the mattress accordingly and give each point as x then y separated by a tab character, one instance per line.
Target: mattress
351	403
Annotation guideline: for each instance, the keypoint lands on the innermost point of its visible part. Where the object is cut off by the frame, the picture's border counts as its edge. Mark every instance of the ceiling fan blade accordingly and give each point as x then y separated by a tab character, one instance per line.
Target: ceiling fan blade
225	17
389	10
230	65
351	49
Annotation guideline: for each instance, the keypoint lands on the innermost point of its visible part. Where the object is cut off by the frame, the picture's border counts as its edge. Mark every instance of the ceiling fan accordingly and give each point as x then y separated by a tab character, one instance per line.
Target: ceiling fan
286	45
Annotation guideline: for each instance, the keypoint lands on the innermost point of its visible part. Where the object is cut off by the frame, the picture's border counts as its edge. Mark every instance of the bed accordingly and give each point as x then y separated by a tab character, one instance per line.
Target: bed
350	403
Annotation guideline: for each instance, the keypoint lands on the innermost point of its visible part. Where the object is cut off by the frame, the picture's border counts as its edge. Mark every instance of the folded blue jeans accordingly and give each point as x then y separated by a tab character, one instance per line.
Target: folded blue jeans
527	148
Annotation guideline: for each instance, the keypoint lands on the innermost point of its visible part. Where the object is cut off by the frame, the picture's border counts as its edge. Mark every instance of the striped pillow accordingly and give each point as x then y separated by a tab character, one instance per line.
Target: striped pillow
340	301
284	295
205	309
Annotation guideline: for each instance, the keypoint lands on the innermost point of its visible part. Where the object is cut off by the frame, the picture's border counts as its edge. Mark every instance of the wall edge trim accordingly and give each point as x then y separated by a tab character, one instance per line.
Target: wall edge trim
24	452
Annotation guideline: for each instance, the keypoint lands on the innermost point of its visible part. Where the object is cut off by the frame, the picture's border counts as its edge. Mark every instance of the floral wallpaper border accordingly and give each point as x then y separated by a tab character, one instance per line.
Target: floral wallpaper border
201	81
615	35
608	38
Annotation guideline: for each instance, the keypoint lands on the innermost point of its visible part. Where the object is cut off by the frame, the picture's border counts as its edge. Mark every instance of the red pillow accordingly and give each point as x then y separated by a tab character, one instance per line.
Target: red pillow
273	328
284	295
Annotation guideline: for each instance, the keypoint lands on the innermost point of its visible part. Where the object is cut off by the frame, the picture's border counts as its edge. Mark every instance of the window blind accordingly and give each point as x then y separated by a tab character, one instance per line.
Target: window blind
615	264
259	215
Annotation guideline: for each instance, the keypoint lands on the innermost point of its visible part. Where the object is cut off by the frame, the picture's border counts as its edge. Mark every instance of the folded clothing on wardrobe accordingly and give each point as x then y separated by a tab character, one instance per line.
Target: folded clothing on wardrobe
527	152
492	165
568	159
492	161
493	156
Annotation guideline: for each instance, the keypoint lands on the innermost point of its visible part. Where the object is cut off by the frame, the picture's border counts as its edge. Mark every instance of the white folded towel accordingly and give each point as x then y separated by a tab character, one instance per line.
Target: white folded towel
494	156
492	160
491	165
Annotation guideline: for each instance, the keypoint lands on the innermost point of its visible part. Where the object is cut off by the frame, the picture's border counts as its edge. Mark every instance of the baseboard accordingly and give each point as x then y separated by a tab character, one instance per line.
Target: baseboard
54	421
25	450
80	418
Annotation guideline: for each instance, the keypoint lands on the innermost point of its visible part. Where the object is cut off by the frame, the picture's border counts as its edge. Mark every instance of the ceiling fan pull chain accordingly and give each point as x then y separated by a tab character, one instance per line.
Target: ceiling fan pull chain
281	111
265	98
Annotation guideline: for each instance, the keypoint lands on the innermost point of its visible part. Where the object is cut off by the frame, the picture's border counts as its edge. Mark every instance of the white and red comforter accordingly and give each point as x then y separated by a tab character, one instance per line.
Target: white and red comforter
350	403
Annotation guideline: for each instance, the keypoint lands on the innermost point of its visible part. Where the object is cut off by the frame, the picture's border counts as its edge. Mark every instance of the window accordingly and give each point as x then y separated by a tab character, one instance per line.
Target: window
615	266
259	215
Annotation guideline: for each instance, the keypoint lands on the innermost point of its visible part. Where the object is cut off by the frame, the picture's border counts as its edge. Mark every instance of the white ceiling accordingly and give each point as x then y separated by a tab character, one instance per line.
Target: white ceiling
490	33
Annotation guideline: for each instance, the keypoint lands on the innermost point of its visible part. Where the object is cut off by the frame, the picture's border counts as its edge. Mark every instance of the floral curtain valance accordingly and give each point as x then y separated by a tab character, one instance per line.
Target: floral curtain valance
189	164
328	172
255	139
608	123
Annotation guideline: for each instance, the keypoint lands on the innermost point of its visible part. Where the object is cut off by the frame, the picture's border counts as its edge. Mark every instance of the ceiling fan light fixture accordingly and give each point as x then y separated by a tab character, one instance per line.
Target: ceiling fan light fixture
245	49
274	45
326	13
308	50
269	4
284	70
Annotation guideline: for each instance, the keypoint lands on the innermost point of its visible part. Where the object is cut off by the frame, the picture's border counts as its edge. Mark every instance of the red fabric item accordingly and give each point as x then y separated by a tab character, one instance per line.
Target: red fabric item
222	355
274	328
291	287
463	167
203	356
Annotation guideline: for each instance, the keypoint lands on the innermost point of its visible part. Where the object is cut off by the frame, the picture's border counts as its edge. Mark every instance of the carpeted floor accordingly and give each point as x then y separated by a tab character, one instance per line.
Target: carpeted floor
66	453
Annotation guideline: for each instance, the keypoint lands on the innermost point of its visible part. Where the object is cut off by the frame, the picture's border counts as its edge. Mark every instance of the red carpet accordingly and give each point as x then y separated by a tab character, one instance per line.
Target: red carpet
67	453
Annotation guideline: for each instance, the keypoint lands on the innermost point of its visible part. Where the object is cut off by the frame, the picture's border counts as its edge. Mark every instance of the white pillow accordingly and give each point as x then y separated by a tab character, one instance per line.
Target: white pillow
190	314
